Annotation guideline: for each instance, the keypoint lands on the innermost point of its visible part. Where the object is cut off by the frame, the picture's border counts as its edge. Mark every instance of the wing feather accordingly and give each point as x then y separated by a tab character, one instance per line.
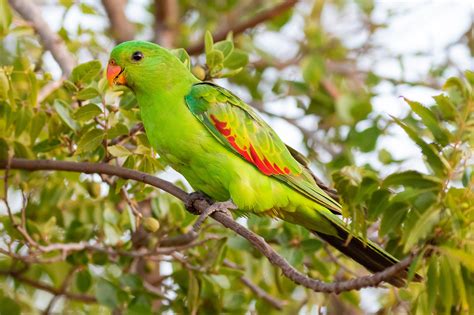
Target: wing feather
237	126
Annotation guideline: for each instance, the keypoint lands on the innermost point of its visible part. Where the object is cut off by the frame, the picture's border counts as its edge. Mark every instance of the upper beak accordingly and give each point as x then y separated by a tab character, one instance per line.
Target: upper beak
115	74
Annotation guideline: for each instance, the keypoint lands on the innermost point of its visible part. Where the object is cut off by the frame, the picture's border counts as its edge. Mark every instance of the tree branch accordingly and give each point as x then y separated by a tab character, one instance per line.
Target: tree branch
262	17
48	288
121	28
30	12
255	240
262	294
166	22
62	290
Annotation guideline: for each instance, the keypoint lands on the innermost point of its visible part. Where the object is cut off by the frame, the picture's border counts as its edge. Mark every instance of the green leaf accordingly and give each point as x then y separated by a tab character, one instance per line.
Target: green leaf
63	110
87	112
107	293
83	280
236	60
414	266
445	283
3	149
432	156
87	9
84	73
221	280
193	293
90	141
140	305
313	69
87	94
132	281
208	42
183	56
432	282
37	124
366	139
33	91
23	120
458	282
378	202
412	179
385	156
422	228
5	17
430	121
465	258
455	87
215	60
21	150
118	150
46	145
7	305
4	83
225	46
100	258
393	217
446	107
118	129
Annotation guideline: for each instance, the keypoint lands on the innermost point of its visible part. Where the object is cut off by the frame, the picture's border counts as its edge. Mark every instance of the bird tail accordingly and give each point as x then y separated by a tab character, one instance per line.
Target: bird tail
366	253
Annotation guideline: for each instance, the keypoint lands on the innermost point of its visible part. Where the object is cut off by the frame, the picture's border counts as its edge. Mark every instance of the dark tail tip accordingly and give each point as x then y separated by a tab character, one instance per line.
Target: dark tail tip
367	255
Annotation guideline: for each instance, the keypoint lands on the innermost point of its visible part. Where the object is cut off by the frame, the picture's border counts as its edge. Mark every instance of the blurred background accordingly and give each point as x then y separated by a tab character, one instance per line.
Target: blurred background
326	74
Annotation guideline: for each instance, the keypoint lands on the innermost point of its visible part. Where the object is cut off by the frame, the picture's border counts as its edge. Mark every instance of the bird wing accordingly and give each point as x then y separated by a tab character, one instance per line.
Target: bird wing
236	125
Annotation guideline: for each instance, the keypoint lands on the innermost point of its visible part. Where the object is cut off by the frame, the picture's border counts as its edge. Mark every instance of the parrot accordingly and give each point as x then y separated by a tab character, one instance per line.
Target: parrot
227	152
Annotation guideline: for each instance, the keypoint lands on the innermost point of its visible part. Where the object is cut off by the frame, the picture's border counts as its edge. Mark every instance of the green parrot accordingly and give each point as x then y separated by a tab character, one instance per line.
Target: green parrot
226	151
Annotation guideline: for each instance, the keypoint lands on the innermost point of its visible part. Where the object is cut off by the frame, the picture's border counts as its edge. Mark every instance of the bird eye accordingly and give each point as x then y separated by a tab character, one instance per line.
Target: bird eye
137	56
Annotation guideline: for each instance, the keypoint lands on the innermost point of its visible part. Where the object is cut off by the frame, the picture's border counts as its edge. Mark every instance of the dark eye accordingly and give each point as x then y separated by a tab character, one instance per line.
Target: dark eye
137	56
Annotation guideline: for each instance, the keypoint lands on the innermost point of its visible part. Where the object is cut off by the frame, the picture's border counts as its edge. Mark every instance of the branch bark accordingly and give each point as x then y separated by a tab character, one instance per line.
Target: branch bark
32	13
166	22
255	240
121	28
262	17
48	288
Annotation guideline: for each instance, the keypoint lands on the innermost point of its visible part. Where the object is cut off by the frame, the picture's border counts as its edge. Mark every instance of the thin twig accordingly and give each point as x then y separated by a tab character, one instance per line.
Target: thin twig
134	130
337	262
261	293
262	17
48	288
51	41
276	303
5	188
120	27
62	290
68	248
49	88
166	22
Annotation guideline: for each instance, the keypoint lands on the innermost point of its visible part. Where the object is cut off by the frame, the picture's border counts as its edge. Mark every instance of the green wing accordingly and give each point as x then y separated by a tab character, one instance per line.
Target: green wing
238	128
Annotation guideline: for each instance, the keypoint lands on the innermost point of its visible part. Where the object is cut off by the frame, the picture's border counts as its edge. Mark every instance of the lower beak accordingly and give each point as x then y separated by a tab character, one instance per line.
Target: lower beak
115	75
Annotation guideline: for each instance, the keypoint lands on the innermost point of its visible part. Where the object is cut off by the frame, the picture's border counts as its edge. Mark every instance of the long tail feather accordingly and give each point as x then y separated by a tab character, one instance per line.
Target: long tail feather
367	254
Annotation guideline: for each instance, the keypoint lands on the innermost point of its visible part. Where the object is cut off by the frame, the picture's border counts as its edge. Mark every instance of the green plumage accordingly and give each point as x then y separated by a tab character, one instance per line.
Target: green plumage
221	146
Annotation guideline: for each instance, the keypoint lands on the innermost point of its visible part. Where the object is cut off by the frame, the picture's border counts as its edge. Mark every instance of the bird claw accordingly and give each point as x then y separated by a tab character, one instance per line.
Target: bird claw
193	197
215	207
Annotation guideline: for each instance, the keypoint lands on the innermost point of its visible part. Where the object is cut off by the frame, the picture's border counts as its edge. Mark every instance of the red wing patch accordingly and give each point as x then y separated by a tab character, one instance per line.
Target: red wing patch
248	153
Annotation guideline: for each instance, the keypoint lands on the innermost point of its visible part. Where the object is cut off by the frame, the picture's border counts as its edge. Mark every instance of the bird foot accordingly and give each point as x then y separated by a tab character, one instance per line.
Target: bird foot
224	207
193	197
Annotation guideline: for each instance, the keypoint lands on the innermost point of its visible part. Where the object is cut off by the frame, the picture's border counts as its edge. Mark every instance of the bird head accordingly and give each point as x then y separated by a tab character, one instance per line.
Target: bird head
142	66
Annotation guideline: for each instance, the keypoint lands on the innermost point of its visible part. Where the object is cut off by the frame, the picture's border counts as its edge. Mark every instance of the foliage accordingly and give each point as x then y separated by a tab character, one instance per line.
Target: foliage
428	210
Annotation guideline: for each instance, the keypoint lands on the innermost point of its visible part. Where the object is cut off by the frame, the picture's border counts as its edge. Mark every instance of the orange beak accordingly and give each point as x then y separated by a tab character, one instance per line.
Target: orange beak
115	74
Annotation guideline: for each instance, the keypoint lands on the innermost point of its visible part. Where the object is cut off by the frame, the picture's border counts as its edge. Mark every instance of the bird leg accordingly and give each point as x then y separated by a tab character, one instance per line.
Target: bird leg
193	197
215	207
